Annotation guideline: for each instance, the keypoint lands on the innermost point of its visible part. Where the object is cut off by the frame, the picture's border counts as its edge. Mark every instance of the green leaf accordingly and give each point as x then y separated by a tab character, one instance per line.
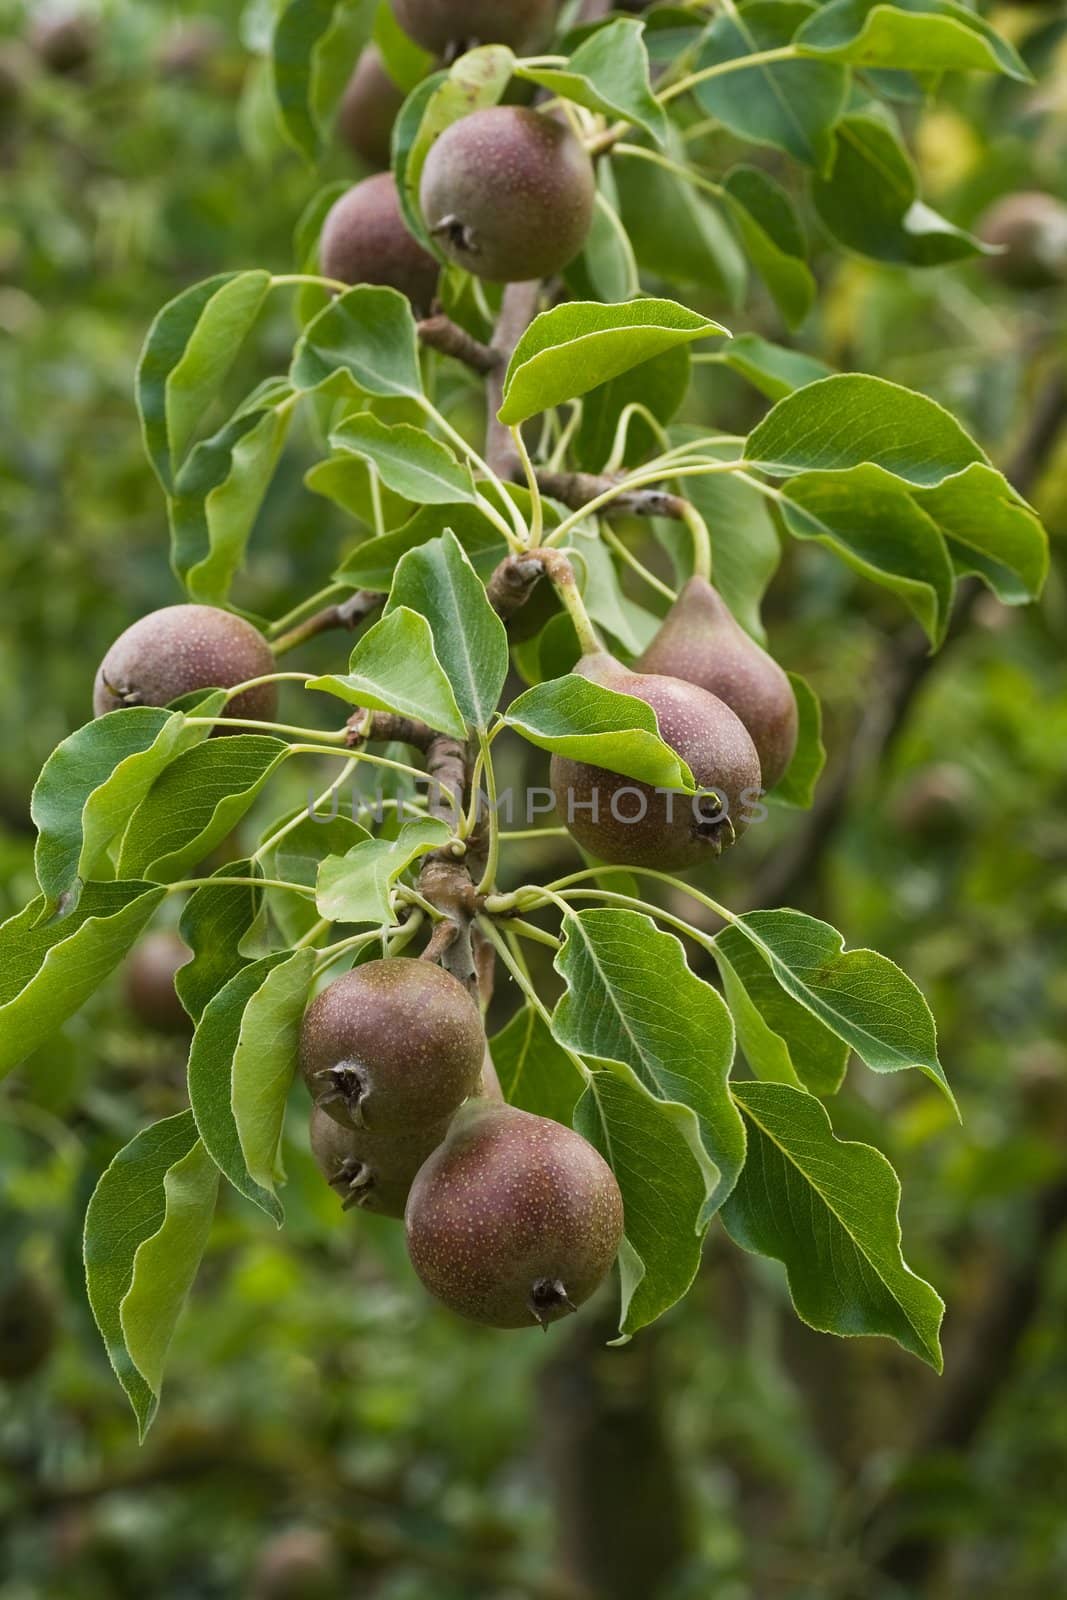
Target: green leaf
576	346
770	229
195	804
214	920
394	668
791	105
49	969
91	785
373	564
313	48
828	1209
296	859
797	785
677	233
368	336
218	494
607	267
869	202
165	1267
849	420
860	995
535	1072
771	368
159	1193
632	998
654	1149
190	348
660	385
782	1040
356	887
346	480
211	1057
264	1063
607	73
438	580
410	462
868	518
586	722
473	83
990	530
927	36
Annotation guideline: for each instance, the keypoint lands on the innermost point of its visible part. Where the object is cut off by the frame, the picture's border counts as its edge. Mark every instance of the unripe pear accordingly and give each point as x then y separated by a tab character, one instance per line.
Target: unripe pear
368	109
1031	229
64	41
149	983
392	1046
630	823
374	1171
508	193
172	652
701	641
514	1220
366	240
447	27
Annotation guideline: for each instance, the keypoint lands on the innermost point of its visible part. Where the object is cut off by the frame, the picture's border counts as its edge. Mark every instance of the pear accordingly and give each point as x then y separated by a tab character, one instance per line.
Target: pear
635	825
149	983
392	1046
371	1170
514	1220
172	652
702	642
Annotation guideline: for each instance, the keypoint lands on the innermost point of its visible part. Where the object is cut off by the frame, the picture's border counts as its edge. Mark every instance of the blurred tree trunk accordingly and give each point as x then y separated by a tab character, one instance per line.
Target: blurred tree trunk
620	1515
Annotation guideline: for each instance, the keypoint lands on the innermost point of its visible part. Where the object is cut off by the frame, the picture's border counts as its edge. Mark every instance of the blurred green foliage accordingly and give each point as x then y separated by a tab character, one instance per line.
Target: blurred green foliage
313	1386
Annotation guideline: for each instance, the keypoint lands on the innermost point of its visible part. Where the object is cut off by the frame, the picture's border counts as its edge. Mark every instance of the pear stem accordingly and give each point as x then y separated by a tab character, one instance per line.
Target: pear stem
561	575
698	530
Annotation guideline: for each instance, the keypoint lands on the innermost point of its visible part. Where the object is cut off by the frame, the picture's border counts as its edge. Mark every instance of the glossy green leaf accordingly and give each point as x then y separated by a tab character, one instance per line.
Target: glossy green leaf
586	722
438	580
366	335
860	995
632	998
134	1205
313	47
91	785
927	36
218	494
265	1061
771	368
576	346
49	969
654	1149
678	234
783	1042
768	224
190	348
797	785
791	105
373	564
410	462
215	919
296	859
196	803
535	1072
608	73
990	530
869	200
394	668
828	1209
356	887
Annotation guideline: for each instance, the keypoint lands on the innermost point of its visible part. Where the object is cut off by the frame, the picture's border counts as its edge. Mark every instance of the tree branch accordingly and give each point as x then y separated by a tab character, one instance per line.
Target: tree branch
441	333
576	489
517	310
385	727
348	614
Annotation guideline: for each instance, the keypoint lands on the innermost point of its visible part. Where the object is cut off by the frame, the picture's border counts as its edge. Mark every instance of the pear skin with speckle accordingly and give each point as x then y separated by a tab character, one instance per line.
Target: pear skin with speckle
371	1171
515	1220
180	649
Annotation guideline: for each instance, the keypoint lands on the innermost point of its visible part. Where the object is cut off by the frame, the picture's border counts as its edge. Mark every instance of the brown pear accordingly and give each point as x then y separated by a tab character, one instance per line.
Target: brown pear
392	1046
508	193
172	652
149	983
702	642
1029	229
634	824
449	26
374	1171
514	1220
368	109
366	240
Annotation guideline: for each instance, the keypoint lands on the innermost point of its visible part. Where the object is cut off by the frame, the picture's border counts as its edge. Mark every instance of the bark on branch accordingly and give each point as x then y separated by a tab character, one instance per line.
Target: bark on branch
441	333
